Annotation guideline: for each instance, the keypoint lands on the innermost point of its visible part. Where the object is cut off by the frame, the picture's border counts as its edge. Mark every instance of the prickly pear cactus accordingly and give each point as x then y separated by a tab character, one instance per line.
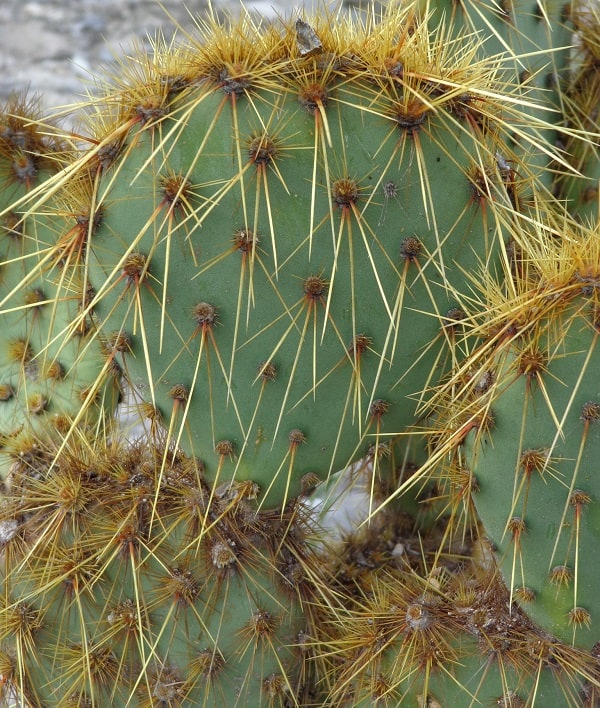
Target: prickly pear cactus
534	462
275	237
286	219
52	374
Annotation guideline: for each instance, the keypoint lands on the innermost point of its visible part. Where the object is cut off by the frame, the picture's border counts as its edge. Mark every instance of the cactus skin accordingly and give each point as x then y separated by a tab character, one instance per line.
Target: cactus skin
50	374
331	161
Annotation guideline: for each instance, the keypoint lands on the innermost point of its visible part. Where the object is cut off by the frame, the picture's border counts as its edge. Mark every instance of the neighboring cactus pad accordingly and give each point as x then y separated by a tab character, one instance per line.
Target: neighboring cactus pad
534	463
581	106
534	38
51	373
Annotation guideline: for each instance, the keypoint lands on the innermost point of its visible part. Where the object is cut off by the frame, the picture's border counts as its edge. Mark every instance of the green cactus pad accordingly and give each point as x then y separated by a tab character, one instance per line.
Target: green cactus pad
535	464
269	244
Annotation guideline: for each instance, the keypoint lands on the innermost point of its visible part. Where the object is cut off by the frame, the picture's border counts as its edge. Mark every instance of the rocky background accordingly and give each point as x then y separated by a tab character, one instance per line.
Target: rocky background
52	46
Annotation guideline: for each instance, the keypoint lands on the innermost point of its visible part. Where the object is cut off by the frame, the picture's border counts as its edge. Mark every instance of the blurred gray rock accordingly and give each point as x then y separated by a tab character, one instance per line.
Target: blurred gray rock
50	46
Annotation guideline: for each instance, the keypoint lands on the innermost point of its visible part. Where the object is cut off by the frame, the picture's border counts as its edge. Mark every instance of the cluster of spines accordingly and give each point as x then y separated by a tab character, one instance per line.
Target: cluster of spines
409	633
111	596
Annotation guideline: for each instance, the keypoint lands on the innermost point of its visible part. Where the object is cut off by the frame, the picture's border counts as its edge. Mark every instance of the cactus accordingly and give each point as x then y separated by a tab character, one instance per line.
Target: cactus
51	375
275	235
98	608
